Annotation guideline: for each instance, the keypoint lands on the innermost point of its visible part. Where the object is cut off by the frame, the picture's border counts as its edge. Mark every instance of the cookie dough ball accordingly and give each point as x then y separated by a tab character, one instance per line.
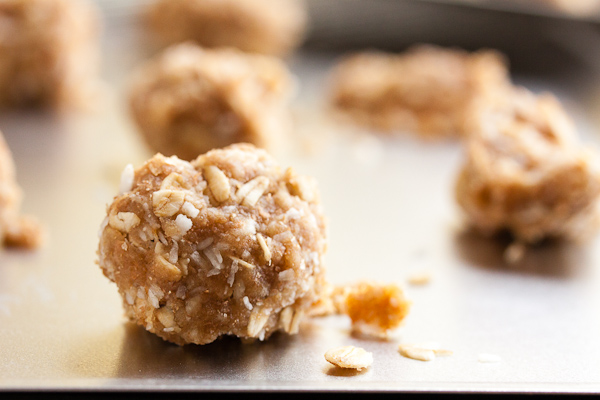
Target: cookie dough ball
15	229
48	52
423	91
190	100
375	309
274	27
526	171
228	244
580	8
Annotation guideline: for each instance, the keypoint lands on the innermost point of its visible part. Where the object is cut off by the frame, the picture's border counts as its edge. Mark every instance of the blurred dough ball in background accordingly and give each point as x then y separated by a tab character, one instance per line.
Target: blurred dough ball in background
190	100
575	7
273	27
15	230
49	53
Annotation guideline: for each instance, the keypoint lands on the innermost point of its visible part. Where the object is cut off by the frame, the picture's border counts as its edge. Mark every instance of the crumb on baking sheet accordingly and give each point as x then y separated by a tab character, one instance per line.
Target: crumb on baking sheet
350	357
374	309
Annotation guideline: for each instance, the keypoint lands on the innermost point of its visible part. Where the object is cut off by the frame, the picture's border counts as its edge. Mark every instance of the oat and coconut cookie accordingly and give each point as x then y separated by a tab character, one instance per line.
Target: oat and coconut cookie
424	91
190	100
229	244
527	172
274	27
49	53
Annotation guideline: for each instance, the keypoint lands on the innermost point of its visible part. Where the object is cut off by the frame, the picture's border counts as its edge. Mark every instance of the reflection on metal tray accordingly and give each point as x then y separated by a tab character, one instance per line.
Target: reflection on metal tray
391	212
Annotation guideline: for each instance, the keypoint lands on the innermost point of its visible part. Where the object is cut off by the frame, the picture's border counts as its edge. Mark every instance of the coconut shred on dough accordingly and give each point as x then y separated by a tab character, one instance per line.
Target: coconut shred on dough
228	244
189	100
425	90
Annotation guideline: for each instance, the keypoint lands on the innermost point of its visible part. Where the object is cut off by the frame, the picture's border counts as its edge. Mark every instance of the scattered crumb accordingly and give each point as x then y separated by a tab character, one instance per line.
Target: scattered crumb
419	278
423	351
375	309
350	357
488	358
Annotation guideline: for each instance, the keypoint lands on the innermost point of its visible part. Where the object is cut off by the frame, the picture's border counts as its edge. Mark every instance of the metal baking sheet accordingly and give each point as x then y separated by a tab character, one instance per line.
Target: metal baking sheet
391	213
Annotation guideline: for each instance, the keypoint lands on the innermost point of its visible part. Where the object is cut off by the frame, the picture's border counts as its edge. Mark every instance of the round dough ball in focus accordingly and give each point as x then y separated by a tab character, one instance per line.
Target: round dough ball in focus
228	244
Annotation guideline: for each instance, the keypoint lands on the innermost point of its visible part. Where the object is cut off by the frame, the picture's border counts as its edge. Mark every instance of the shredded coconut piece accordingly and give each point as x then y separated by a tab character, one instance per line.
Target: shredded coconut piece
242	262
124	221
174	253
181	292
293	213
419	278
416	353
247	303
127	177
212	257
218	183
190	210
183	223
205	243
287	275
153	299
265	248
231	277
250	192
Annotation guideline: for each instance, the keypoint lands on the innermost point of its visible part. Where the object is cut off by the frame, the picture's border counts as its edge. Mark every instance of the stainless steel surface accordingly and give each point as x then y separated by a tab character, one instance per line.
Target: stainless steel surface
391	212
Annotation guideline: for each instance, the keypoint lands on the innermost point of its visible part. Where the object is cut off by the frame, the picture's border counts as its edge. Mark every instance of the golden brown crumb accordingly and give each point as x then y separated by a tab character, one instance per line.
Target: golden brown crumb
425	90
375	309
195	258
189	100
263	26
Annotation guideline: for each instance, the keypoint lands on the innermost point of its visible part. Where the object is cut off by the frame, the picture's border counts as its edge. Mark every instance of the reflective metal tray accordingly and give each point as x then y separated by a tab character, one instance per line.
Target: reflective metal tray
391	211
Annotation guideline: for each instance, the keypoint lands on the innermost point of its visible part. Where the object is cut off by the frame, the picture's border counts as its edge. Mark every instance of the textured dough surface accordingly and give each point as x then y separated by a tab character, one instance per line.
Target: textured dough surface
526	171
190	100
273	27
425	90
229	244
49	52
